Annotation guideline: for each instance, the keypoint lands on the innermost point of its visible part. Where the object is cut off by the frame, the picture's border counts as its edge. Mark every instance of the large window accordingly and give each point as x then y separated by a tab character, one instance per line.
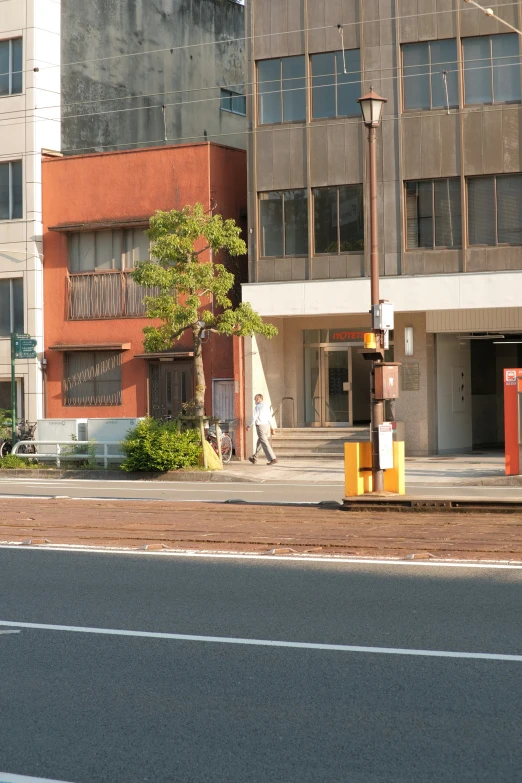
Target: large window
433	214
91	251
92	378
11	306
233	102
430	74
281	86
283	217
11	66
338	219
495	210
491	69
336	84
11	189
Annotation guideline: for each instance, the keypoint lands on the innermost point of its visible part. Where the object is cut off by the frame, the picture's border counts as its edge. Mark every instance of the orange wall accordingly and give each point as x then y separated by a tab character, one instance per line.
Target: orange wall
119	185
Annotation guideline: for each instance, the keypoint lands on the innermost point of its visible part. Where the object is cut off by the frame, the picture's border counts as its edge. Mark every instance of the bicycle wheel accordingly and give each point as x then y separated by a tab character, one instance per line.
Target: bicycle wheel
226	448
27	449
5	448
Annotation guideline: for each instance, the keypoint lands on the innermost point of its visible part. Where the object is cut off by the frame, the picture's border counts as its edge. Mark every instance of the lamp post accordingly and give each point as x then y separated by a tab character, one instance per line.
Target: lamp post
371	108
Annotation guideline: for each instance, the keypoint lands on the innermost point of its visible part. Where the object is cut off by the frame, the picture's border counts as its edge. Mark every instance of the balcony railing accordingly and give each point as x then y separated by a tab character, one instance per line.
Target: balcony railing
106	295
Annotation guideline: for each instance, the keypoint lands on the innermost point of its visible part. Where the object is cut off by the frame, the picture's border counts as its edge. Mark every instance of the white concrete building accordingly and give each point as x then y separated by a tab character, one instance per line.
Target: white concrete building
29	122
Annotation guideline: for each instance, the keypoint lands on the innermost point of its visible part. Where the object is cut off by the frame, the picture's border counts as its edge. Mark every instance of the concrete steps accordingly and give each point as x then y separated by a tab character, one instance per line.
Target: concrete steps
318	442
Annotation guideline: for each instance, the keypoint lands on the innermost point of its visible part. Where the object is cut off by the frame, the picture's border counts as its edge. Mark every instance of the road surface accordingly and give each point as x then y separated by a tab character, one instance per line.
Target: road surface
215	492
134	668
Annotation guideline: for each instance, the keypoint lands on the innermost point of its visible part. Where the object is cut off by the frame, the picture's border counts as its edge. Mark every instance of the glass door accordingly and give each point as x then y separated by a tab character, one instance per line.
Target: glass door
337	387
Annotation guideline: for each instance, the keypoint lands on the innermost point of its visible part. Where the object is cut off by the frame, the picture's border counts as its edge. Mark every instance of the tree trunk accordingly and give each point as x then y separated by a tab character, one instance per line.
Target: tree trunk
199	397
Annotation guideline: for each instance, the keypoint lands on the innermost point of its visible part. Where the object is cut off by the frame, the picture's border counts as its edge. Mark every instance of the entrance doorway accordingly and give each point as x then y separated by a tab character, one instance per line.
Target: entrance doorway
337	386
171	385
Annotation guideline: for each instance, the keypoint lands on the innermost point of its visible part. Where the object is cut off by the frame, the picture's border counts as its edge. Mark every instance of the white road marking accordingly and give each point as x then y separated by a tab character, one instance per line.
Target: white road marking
216	555
181	637
5	777
2	632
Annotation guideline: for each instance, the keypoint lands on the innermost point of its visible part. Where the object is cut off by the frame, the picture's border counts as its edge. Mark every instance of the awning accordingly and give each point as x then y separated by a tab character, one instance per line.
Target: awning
92	347
167	356
97	225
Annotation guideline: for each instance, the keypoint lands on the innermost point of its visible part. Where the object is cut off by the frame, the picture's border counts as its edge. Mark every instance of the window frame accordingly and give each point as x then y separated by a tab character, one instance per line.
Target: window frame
283	224
66	377
12	324
11	71
228	94
281	92
10	163
495	178
124	269
339	251
493	102
420	248
310	90
403	46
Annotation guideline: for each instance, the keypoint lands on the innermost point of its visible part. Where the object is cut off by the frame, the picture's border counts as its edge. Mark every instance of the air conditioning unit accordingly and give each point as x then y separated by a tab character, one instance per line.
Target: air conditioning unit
60	430
112	430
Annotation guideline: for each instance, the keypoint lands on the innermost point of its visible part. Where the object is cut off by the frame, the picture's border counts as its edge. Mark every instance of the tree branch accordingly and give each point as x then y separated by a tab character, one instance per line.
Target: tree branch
198	252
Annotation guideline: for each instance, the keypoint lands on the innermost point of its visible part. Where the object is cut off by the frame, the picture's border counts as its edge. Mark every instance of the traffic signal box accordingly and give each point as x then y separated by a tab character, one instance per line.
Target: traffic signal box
513	420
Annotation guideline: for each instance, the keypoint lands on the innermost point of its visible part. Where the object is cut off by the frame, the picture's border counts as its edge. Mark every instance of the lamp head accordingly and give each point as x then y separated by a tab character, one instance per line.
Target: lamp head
371	108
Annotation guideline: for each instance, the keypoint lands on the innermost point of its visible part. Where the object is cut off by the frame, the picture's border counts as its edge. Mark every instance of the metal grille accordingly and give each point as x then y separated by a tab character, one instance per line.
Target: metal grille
110	295
155	395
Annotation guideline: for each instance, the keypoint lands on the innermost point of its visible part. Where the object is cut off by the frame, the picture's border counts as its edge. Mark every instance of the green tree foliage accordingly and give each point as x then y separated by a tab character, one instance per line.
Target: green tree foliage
158	446
188	286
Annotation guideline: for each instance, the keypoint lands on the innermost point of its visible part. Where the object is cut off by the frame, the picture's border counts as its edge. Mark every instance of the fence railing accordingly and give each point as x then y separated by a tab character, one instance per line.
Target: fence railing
64	451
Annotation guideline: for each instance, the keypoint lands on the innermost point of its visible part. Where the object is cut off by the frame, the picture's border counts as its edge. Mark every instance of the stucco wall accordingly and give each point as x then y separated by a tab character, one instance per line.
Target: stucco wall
130	57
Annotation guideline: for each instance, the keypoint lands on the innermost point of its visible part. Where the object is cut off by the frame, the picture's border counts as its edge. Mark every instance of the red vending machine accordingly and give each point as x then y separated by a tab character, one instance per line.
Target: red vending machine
513	420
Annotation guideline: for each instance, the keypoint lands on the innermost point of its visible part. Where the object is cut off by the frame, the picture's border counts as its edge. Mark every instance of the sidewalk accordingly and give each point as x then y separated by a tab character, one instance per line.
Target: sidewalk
265	530
478	468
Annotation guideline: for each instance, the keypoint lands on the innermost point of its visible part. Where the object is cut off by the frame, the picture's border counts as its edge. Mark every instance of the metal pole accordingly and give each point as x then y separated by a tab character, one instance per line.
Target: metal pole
13	391
377	406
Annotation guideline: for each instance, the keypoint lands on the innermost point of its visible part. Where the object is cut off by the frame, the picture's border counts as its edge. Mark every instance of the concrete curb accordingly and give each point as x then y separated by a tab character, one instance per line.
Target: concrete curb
120	475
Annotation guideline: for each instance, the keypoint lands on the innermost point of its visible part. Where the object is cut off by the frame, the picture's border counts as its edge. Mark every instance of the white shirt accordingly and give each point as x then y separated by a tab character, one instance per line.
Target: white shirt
262	414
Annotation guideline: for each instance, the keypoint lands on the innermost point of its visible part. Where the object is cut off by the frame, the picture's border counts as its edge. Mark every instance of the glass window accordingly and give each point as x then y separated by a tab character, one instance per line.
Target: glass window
11	306
491	69
430	74
495	210
433	214
11	190
281	86
283	217
92	378
338	219
336	84
232	101
11	66
94	251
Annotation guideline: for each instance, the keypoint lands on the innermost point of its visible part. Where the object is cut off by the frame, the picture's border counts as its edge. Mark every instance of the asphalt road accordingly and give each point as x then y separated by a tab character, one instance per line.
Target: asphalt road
225	695
215	492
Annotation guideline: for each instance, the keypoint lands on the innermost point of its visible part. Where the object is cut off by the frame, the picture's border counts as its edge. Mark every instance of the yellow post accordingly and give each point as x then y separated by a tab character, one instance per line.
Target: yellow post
395	478
357	470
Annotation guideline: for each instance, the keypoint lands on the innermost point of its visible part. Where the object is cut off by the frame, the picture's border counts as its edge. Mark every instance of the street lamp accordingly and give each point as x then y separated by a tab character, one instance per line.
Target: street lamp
371	108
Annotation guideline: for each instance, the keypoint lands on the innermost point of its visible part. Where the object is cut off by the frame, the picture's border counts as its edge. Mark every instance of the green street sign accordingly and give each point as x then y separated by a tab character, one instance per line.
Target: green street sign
24	346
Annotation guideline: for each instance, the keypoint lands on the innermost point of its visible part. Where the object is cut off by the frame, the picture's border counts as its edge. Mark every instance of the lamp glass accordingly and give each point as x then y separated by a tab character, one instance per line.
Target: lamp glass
372	111
408	341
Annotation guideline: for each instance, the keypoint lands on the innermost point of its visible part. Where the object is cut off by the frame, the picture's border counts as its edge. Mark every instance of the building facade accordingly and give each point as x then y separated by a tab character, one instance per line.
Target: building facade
449	210
29	94
94	226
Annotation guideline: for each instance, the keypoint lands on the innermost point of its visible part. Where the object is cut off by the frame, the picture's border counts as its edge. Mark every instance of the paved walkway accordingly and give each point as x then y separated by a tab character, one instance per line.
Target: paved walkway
451	470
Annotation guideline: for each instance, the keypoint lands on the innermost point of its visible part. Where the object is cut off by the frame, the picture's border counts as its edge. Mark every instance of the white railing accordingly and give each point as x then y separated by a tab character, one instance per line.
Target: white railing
60	455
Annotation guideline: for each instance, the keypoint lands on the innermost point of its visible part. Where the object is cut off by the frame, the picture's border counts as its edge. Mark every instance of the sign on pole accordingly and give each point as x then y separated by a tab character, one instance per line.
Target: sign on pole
385	446
24	346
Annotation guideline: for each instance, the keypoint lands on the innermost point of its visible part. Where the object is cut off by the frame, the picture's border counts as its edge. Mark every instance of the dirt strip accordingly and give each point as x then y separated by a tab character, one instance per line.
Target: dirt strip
202	526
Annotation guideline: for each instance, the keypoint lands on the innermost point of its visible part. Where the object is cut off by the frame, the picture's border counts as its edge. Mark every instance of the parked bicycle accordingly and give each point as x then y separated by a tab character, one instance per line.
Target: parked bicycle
226	443
24	431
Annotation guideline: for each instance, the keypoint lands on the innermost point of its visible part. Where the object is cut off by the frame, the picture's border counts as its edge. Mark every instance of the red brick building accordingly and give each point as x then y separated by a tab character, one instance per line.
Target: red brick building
95	211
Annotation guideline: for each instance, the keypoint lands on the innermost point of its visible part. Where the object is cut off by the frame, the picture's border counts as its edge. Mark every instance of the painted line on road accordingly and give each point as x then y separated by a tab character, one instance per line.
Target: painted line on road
181	637
5	777
262	557
4	632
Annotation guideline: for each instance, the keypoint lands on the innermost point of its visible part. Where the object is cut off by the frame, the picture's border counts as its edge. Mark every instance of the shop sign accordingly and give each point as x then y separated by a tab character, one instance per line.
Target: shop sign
347	335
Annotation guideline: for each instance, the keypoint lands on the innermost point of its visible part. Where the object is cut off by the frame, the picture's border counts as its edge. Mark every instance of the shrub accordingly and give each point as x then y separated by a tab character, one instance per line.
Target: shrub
158	446
12	462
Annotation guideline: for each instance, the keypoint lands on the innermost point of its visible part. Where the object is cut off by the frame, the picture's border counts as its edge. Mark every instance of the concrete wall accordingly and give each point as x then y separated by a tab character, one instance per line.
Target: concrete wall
133	56
28	122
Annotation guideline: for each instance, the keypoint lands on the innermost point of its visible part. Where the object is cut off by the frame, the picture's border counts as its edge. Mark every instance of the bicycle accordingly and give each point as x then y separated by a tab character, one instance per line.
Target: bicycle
226	443
24	431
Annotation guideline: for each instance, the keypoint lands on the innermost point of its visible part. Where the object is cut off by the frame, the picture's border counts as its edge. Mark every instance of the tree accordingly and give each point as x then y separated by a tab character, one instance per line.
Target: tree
193	293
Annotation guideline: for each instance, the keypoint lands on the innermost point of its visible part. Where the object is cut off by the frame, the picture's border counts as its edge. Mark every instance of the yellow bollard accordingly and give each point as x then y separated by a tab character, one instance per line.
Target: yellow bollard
357	470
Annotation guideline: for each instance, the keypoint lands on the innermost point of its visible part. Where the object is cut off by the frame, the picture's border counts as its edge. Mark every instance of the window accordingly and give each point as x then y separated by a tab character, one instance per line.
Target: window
11	66
339	219
433	214
281	85
495	210
491	69
336	84
102	251
92	378
11	201
233	102
430	74
284	223
11	306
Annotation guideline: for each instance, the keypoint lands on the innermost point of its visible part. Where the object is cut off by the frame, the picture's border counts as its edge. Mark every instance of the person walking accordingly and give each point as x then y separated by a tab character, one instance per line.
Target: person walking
262	418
